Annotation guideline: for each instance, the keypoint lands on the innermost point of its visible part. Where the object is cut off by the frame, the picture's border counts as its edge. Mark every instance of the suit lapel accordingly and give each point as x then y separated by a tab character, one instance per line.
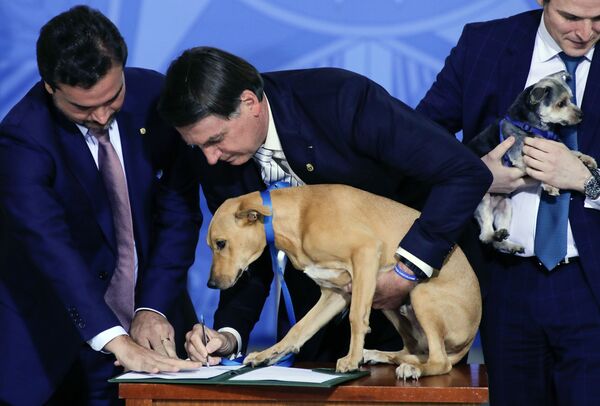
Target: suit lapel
84	169
134	161
591	99
518	60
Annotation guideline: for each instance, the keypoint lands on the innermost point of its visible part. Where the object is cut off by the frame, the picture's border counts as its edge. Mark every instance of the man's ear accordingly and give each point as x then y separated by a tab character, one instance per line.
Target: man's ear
250	101
537	94
48	88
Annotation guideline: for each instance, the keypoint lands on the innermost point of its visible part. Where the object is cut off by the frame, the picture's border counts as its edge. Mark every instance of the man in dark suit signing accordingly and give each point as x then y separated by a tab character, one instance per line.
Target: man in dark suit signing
309	127
84	241
541	313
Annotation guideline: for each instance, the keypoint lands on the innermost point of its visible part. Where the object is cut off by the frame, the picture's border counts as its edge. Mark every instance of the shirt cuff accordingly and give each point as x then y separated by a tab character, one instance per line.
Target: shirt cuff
237	336
592	204
99	341
152	310
427	269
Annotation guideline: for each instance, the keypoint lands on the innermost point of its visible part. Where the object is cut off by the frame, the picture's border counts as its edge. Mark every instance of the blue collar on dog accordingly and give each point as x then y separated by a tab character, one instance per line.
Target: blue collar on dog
278	260
547	134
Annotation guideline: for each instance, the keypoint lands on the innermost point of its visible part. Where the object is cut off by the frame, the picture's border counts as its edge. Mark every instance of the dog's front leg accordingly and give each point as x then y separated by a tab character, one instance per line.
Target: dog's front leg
329	305
365	266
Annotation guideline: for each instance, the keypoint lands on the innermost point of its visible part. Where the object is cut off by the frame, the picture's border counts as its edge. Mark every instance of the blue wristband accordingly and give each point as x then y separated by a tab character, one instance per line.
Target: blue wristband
405	275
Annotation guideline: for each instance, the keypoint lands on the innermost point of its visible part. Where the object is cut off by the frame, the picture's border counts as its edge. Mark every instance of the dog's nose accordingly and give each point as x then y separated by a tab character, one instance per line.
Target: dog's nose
211	284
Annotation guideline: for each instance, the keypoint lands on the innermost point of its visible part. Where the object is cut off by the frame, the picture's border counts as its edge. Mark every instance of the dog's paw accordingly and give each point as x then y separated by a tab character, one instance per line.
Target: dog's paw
346	364
587	160
258	358
501	235
374	357
408	371
551	190
508	247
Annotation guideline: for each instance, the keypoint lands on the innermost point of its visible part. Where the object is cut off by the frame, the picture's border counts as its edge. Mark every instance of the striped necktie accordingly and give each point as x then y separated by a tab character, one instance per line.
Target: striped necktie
271	170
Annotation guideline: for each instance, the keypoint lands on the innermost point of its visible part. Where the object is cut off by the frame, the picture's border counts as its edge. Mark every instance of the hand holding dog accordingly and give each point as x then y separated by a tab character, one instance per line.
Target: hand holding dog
553	163
219	344
506	179
153	331
392	290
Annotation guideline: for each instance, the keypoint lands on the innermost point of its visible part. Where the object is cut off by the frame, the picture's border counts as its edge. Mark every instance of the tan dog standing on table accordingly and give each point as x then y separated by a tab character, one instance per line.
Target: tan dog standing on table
338	234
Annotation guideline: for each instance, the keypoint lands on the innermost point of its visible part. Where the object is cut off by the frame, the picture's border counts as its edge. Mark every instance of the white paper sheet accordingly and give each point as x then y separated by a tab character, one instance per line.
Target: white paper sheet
199	373
284	374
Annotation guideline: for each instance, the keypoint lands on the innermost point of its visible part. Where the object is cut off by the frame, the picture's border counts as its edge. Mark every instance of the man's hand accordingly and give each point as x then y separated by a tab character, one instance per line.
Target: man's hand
553	163
506	179
134	357
392	290
152	331
218	345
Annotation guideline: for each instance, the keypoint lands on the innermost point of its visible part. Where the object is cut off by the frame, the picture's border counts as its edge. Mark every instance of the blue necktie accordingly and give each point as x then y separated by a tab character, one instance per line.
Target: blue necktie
553	214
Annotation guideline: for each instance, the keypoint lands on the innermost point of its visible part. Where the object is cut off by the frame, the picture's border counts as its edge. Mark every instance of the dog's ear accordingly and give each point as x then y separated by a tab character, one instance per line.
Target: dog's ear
537	94
253	214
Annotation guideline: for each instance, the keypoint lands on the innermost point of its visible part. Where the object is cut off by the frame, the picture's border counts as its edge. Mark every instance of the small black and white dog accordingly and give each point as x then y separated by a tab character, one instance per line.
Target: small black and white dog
539	111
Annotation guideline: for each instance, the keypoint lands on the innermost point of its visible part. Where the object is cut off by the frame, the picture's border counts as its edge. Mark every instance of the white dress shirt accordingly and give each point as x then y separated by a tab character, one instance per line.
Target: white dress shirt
545	61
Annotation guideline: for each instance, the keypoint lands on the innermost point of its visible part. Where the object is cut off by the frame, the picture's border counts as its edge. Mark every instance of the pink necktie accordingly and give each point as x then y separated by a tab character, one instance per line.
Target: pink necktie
120	293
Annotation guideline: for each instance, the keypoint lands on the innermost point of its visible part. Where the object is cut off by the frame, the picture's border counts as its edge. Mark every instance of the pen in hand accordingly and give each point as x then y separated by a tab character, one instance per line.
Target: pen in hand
204	337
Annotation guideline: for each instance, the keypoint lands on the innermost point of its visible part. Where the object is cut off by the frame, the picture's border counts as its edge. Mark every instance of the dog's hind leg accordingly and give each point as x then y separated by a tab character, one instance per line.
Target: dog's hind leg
405	322
365	266
502	219
484	216
430	317
328	306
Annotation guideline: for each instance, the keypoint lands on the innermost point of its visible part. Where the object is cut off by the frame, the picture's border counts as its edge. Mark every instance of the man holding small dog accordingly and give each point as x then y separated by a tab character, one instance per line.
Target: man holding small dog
541	319
83	240
314	126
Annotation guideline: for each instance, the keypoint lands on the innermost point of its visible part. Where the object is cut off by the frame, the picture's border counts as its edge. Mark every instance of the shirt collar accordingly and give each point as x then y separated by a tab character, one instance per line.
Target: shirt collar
272	141
547	48
88	137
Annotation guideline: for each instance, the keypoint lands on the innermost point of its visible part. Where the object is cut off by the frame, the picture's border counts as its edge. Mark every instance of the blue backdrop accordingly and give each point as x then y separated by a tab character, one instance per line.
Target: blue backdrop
401	44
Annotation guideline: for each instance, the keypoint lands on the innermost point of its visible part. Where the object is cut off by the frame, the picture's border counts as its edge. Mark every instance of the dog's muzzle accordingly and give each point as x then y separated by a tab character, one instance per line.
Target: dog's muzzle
215	283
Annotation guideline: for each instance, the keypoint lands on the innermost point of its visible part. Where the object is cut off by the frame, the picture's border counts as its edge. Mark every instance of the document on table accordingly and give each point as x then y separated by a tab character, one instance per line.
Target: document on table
285	374
199	373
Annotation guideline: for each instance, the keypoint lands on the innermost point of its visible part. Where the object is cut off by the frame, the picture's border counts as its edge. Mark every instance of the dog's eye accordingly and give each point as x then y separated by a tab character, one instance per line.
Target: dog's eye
562	103
220	244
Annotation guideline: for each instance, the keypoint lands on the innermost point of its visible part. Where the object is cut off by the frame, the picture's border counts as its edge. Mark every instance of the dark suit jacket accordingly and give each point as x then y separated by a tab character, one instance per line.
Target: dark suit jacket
57	243
350	131
483	75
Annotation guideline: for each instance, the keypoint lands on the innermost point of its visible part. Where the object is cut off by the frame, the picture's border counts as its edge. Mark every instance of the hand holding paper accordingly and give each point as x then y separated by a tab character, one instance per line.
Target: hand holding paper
133	356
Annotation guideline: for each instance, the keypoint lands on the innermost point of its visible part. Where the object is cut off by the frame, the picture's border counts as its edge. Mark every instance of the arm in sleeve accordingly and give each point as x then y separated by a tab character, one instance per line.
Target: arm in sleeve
176	227
36	220
411	145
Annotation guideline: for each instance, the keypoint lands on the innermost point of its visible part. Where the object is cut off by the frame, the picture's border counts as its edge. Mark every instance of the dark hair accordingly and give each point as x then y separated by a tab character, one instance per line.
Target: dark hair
206	81
78	47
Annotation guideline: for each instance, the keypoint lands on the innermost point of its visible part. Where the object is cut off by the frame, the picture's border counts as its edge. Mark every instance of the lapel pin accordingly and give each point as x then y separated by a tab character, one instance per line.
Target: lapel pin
142	131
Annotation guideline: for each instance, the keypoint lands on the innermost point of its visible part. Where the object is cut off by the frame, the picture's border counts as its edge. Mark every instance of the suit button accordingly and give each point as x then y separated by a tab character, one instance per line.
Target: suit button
103	275
81	323
310	167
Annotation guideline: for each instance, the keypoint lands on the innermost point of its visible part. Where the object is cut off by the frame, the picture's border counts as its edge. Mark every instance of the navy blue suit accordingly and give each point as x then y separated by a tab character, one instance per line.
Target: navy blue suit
482	76
339	127
57	242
